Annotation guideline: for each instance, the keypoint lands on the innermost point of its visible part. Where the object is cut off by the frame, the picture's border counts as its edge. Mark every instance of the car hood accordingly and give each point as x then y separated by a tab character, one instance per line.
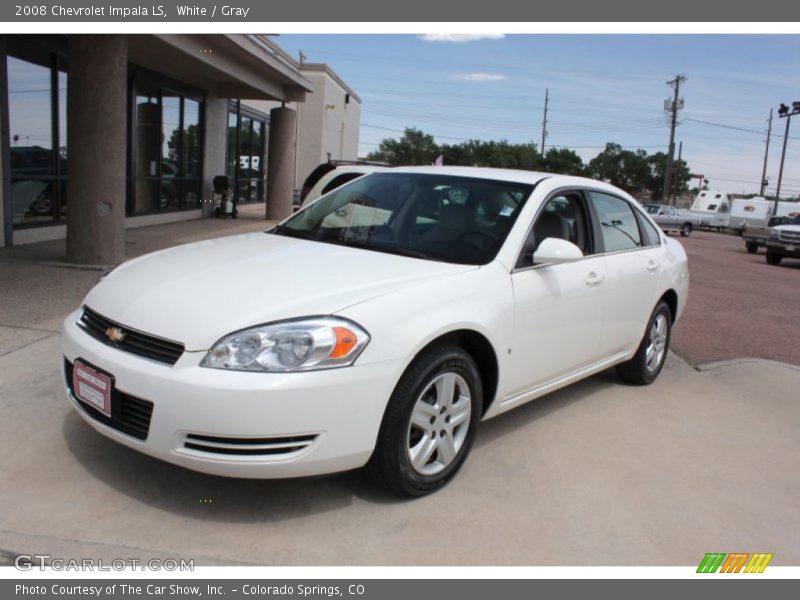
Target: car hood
197	293
793	228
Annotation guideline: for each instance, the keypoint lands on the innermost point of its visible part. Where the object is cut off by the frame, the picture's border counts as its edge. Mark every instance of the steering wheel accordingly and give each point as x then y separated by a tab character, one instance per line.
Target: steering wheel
481	234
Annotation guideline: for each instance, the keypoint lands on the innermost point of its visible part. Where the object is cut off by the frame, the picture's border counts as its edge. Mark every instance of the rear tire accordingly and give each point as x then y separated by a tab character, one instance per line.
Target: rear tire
751	247
772	258
686	229
646	364
429	424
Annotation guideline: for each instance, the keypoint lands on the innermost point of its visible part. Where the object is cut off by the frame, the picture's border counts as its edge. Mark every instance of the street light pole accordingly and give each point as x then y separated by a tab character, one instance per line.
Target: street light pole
784	113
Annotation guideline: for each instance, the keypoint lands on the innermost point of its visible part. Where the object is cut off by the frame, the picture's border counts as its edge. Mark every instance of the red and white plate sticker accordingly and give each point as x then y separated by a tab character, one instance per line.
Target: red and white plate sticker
92	387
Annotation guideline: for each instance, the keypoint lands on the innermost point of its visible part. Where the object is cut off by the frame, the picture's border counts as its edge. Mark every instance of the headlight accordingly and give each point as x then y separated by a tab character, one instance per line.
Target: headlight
302	345
773	234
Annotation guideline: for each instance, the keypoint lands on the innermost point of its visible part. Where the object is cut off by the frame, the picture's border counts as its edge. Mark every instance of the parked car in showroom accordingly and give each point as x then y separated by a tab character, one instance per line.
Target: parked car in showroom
379	342
784	242
756	236
672	219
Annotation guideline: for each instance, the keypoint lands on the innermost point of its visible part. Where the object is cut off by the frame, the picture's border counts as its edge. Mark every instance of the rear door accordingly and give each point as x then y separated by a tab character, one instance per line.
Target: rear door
631	248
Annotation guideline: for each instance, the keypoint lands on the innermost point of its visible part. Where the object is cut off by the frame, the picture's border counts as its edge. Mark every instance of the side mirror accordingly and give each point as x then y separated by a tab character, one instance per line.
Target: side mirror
554	251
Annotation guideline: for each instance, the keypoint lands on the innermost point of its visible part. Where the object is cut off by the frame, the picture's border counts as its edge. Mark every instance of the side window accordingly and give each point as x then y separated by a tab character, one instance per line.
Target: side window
651	234
618	223
563	216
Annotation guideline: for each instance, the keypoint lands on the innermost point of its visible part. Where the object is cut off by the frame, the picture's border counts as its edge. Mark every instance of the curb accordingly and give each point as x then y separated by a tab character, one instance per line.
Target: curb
717	364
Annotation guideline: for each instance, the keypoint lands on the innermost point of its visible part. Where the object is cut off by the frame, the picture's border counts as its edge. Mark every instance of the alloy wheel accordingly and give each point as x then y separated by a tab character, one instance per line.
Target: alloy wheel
439	423
656	343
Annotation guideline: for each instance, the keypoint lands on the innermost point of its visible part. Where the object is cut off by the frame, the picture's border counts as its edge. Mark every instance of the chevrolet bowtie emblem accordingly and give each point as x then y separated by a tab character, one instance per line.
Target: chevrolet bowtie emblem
115	334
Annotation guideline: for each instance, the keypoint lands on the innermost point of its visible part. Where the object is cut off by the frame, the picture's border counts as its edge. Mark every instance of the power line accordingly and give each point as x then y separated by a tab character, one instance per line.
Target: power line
735	128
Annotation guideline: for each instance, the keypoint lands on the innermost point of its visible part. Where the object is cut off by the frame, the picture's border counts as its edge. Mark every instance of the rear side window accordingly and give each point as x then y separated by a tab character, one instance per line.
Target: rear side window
618	223
651	235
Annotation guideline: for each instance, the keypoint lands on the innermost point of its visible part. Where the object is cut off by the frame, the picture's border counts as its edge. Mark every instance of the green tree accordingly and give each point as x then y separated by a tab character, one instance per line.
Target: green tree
625	169
564	161
413	148
681	175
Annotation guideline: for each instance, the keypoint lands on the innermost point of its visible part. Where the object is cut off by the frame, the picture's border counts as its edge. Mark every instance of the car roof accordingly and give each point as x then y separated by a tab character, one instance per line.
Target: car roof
515	175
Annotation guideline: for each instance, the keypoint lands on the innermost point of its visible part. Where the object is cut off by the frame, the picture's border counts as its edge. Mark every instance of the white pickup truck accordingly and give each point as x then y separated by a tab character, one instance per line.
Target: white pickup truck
672	219
784	242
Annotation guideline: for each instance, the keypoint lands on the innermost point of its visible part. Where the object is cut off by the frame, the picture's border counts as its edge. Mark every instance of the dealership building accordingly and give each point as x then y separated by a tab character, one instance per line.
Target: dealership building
100	133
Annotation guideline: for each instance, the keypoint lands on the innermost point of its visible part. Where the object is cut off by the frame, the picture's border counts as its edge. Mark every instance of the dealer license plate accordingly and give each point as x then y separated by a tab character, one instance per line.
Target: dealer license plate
92	387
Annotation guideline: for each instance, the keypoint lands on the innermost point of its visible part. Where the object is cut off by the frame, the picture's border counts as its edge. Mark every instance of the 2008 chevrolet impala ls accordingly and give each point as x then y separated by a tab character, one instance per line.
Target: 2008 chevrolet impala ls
377	326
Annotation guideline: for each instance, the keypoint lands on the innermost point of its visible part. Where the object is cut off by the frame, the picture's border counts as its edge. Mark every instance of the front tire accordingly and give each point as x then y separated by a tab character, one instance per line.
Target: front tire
429	424
751	247
772	258
686	229
646	364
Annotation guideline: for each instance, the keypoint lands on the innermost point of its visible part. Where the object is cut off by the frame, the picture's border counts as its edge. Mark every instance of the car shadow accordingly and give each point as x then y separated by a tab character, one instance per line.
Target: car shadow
540	408
205	497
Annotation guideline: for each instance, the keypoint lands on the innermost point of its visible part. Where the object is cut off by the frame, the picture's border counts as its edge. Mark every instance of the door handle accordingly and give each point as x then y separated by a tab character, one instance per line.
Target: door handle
652	265
594	279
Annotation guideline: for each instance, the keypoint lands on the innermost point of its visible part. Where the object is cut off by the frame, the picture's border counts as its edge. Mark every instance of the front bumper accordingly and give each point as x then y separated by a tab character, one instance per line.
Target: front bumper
239	424
783	248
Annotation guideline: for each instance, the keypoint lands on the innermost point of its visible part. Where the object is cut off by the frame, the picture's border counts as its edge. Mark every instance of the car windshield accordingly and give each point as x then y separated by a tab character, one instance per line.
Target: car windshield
438	217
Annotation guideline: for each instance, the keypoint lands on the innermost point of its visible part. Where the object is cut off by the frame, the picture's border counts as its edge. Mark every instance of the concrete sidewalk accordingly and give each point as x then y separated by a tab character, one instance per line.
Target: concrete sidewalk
597	474
36	293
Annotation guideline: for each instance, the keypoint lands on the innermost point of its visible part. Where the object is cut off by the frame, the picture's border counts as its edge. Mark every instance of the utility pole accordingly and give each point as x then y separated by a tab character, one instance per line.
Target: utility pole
675	178
544	121
766	154
673	108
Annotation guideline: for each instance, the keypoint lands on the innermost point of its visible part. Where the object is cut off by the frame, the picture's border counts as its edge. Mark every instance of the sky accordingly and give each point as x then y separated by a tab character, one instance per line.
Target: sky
602	88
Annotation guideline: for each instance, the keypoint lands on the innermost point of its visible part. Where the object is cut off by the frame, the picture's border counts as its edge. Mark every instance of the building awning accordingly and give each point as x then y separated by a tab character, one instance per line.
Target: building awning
228	66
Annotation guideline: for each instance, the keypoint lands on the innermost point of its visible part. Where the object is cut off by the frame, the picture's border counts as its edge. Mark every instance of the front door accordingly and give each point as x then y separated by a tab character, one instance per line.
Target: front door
558	308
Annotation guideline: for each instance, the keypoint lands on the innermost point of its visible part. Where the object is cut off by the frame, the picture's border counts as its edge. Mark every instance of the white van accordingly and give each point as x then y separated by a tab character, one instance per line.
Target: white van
714	207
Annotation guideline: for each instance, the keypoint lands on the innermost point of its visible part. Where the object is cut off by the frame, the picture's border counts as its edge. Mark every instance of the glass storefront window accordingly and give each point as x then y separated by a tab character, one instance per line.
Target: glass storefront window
246	149
37	165
167	150
147	154
170	151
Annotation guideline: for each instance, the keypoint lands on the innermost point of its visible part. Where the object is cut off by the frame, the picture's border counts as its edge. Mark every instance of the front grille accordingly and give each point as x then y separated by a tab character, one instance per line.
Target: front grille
135	342
129	414
792	237
264	446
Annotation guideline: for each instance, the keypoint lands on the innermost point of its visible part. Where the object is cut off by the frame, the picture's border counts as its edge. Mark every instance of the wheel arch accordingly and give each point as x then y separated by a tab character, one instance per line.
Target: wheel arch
482	352
671	298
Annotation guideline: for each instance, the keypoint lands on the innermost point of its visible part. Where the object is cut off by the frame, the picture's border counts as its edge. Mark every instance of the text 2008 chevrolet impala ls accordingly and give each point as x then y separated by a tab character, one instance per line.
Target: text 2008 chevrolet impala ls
377	326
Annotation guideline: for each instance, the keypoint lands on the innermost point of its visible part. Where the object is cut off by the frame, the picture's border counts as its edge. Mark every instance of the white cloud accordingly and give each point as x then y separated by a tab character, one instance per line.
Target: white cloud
460	37
479	76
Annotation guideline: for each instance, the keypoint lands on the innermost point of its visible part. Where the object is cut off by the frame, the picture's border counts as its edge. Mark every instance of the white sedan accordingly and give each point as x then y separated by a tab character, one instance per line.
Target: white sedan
377	326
